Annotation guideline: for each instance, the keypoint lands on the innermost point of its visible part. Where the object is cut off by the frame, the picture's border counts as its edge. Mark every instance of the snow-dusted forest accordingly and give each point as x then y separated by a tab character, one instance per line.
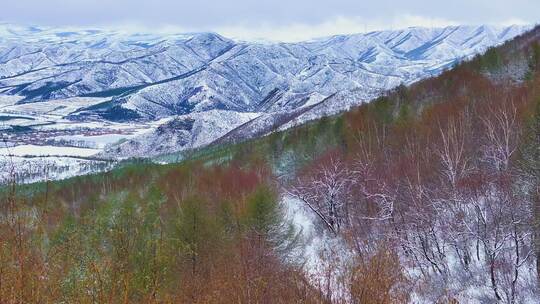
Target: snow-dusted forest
427	194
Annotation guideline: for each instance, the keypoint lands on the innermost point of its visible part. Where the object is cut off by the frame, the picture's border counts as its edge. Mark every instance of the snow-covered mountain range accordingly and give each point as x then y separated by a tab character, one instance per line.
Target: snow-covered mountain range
222	89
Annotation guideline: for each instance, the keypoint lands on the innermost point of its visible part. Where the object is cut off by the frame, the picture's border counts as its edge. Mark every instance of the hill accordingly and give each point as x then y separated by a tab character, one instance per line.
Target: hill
429	194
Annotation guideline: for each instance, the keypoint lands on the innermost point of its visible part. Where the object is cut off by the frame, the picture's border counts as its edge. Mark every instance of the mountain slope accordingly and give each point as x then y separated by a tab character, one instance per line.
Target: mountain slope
150	77
428	194
159	76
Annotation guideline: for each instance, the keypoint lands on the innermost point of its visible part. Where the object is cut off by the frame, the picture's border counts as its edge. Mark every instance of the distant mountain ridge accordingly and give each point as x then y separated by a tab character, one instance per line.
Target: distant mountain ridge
148	77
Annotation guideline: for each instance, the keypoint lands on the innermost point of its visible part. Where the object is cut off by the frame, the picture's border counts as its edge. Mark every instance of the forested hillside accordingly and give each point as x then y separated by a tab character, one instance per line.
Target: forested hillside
433	189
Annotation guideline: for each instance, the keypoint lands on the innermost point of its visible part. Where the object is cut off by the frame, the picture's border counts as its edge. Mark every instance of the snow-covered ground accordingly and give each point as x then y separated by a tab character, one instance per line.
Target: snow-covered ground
38	142
98	141
326	256
33	169
33	150
53	109
180	133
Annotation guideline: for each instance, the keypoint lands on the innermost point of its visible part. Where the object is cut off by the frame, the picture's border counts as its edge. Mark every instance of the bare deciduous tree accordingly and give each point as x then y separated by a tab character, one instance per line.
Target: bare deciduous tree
326	192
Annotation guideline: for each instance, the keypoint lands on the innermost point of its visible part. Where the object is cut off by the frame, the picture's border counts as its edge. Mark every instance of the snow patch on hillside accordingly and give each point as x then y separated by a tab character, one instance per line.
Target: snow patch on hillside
180	133
326	256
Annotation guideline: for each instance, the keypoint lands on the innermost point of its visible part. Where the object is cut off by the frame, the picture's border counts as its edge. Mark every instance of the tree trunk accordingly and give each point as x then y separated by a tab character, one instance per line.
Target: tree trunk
536	227
493	278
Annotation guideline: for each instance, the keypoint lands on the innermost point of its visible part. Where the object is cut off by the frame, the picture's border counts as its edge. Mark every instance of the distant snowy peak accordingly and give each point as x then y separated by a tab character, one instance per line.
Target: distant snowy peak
151	77
62	35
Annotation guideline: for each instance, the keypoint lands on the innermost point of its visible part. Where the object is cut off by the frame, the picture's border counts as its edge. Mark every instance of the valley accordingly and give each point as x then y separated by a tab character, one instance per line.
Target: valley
387	167
145	95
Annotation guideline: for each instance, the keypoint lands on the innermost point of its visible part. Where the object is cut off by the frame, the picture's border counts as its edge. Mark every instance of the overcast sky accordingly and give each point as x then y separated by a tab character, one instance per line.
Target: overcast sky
288	20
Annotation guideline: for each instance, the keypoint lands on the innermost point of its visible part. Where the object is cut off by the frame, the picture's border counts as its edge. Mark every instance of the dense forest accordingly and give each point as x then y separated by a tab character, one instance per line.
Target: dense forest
433	191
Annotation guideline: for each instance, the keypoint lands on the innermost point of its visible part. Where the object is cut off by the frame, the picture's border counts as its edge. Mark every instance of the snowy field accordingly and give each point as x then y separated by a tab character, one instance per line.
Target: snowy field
38	142
34	169
33	150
